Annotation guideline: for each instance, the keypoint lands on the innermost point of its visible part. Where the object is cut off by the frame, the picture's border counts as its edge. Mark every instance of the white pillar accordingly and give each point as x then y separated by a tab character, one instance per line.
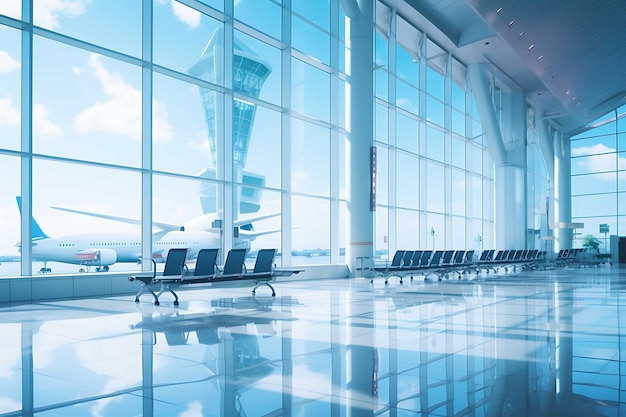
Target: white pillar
510	160
563	191
360	222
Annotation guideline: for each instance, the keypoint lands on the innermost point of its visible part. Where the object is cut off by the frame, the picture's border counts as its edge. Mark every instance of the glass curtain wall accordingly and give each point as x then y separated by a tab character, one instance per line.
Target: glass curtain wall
598	174
225	121
435	176
228	122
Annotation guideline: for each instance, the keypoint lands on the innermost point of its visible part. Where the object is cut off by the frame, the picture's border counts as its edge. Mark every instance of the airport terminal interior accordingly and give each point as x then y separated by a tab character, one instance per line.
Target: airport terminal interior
312	208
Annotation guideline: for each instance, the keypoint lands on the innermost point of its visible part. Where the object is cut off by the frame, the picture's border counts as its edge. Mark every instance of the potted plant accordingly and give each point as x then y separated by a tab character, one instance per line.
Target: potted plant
590	243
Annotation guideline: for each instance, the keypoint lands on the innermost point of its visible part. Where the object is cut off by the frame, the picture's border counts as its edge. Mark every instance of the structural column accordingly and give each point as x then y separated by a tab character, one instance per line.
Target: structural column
510	160
563	192
360	222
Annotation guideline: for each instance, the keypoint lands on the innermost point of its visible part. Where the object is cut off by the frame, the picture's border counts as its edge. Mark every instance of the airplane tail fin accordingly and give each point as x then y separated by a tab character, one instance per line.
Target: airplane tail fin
35	229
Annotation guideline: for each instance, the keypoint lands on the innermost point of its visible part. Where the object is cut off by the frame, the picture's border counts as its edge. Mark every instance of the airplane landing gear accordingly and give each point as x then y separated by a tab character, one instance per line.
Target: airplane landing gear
45	270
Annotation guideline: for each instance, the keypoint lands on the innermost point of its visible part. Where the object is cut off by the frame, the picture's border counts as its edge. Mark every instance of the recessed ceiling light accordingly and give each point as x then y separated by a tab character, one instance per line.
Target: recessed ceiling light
540	57
499	11
521	36
531	47
568	92
511	23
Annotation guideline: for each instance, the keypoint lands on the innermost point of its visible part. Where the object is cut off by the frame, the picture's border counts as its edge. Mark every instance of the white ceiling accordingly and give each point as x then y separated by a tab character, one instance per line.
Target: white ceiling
567	56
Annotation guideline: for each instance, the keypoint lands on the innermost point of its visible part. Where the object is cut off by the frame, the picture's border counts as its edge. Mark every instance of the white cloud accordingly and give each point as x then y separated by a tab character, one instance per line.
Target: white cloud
120	114
42	125
194	409
9	404
47	12
7	64
600	158
238	2
592	150
186	14
11	8
9	115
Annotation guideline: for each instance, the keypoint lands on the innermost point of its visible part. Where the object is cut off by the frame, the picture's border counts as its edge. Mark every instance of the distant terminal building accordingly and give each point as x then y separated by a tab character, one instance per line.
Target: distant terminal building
249	74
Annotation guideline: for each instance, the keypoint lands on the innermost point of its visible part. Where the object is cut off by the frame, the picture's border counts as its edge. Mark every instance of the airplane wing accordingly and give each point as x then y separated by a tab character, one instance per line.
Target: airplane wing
164	226
243	222
245	234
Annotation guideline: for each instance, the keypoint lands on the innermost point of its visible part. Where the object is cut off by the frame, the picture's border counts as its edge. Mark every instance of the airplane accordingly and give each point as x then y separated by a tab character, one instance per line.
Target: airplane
103	250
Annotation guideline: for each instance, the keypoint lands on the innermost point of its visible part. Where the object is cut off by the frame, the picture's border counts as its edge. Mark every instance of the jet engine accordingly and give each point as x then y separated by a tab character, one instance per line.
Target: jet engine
97	257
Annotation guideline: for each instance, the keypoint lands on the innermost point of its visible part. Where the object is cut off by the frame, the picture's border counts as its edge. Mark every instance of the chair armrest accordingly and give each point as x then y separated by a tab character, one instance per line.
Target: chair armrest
142	277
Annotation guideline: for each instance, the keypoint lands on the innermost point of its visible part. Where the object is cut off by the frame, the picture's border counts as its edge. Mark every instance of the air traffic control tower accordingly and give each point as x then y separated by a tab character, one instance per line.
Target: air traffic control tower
249	74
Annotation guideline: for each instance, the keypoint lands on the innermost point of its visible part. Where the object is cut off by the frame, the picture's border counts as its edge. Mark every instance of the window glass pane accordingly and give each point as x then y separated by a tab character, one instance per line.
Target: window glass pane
458	192
218	4
594	205
98	21
180	134
10	224
621	142
382	234
381	51
407	97
382	175
256	69
407	234
338	112
264	153
381	78
594	183
594	163
188	41
434	111
264	15
310	90
343	165
407	174
603	130
257	202
382	123
435	188
435	144
621	161
317	12
458	122
477	159
406	66
593	146
434	83
310	40
10	92
182	202
311	229
310	151
80	242
11	8
436	231
458	153
86	107
458	97
477	197
458	233
621	181
407	133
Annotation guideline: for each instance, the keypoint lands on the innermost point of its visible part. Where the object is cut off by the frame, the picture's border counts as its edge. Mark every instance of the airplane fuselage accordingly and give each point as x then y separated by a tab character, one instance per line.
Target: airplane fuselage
103	250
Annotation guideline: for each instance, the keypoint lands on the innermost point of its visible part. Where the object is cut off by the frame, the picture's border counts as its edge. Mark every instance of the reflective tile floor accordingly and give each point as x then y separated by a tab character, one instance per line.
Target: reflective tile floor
536	343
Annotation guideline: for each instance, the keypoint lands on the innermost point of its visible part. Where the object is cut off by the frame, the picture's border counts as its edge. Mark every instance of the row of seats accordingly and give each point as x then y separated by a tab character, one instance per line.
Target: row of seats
442	263
206	270
513	258
425	262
